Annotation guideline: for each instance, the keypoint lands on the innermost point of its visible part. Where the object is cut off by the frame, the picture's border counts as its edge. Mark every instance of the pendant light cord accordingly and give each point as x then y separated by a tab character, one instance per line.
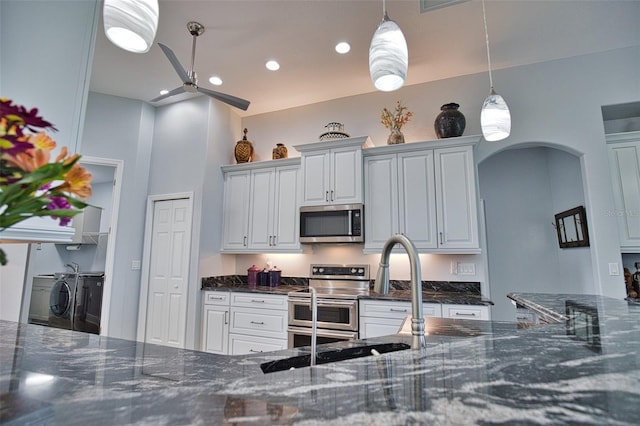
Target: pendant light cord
486	37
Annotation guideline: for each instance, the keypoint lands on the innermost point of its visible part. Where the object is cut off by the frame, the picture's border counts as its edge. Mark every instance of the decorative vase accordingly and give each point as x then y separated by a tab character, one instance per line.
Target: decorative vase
280	151
395	137
244	149
450	122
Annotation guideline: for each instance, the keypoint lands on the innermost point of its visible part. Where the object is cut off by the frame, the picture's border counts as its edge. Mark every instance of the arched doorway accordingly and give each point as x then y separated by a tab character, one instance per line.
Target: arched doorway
522	189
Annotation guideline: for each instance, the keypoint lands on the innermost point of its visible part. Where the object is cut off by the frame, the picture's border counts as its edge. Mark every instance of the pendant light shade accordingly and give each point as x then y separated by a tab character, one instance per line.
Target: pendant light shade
131	24
495	118
388	56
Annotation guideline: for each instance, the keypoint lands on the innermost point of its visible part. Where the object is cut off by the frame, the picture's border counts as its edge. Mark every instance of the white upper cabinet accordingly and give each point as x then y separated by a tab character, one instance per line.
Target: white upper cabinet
456	198
624	158
236	210
261	207
332	171
425	191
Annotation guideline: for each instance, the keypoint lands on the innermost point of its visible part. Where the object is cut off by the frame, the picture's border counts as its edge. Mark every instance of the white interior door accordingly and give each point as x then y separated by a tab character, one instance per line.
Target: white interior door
169	273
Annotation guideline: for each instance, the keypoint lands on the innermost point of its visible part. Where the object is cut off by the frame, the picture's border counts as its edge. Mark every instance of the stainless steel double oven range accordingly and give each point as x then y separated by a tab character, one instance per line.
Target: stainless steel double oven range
337	288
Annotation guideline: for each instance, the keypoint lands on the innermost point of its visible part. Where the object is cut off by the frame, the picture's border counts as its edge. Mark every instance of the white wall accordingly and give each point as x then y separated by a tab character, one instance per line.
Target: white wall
122	129
12	276
557	102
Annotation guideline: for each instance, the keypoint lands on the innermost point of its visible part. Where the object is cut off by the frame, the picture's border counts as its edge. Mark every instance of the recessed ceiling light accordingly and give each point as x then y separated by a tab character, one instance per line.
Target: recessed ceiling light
216	81
272	65
343	47
164	91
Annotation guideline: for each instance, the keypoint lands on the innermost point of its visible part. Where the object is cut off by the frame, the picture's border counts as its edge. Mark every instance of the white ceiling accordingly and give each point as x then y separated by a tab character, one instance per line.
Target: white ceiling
242	34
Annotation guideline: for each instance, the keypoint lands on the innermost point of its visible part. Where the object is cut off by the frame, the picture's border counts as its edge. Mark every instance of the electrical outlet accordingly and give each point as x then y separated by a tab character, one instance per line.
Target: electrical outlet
135	265
637	265
467	268
614	269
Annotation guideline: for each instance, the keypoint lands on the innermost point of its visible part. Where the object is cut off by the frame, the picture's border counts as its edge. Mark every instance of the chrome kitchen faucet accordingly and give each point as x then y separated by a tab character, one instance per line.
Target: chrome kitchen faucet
382	285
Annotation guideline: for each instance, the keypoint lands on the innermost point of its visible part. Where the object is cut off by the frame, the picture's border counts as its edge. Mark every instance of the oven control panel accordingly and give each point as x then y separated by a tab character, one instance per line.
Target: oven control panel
353	272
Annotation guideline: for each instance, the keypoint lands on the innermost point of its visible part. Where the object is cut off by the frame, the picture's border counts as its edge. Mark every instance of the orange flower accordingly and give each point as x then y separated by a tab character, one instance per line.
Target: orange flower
28	161
42	141
77	181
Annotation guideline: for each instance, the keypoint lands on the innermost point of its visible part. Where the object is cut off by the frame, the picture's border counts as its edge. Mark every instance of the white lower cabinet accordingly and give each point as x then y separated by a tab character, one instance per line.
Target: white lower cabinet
242	323
258	323
474	312
382	318
215	322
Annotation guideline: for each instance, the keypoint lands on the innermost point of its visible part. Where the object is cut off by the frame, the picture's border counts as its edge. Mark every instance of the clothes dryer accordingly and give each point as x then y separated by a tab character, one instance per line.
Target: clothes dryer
62	300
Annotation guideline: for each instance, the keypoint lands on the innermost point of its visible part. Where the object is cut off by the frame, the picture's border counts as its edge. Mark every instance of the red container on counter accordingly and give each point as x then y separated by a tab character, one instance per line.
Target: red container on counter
252	276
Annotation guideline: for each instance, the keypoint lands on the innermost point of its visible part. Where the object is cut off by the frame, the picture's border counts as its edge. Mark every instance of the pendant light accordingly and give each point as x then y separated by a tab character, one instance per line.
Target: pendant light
388	55
131	24
495	118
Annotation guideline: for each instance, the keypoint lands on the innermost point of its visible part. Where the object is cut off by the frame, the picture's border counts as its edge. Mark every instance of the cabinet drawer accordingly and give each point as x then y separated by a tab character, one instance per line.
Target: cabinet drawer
259	322
264	301
375	327
384	309
242	345
216	298
474	312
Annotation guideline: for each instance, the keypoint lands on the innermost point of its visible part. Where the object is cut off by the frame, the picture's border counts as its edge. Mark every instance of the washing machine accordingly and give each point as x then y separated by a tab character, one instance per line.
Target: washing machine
88	306
62	300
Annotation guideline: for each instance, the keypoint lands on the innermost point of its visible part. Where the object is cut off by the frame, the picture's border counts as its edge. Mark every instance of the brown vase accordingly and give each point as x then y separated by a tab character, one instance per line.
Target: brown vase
395	137
244	150
280	151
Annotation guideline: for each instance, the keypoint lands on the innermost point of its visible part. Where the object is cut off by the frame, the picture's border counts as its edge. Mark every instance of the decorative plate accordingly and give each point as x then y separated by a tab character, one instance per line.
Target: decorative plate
327	136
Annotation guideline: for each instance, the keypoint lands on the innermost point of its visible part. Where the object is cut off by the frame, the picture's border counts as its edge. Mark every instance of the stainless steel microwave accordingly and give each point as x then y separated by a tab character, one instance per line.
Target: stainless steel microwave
332	224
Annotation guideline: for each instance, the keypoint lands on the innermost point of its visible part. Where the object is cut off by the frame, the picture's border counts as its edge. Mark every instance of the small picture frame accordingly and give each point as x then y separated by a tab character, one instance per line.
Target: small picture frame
571	226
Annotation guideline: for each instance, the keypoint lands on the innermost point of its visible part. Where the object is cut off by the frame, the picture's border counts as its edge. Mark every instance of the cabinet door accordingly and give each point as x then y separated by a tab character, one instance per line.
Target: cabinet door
315	170
243	345
346	176
376	327
261	207
286	220
381	200
236	210
416	198
456	198
215	329
625	168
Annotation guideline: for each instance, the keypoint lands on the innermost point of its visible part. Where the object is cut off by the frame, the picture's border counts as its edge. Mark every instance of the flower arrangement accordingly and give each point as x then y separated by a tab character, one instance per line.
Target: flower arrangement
396	119
31	185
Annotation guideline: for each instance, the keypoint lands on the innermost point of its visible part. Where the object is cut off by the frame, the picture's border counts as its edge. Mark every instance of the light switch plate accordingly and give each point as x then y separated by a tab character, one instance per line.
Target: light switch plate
614	269
466	268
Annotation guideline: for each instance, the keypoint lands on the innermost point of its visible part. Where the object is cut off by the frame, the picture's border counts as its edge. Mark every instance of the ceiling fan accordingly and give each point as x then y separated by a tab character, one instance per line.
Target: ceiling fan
190	80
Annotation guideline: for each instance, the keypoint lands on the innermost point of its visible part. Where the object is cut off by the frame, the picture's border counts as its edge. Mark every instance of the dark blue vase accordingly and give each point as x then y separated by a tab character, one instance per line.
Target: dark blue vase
450	122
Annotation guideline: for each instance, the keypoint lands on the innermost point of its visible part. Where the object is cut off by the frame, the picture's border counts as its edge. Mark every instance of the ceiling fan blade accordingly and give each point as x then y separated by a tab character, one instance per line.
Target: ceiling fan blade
227	99
175	91
174	61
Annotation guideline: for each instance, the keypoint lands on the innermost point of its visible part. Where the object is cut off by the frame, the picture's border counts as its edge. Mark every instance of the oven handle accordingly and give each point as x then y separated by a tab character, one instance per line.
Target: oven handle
334	302
306	331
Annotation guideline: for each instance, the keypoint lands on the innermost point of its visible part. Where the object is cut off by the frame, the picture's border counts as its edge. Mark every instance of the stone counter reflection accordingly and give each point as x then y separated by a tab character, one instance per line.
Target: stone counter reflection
495	373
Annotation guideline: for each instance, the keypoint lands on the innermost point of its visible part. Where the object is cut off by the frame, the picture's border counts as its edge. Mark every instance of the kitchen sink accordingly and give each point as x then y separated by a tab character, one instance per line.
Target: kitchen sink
331	356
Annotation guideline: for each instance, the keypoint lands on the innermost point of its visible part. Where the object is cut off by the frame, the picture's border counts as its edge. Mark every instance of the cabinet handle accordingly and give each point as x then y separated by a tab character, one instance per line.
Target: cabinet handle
216	298
441	242
226	315
257	300
274	240
462	314
326	196
397	310
244	241
254	351
332	195
257	322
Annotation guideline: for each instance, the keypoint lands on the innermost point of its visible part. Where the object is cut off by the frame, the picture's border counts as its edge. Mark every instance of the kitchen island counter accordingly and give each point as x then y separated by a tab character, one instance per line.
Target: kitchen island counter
471	372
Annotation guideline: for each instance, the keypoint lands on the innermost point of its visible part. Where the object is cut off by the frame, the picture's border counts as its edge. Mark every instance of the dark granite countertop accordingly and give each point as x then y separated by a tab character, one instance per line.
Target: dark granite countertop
583	370
456	293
